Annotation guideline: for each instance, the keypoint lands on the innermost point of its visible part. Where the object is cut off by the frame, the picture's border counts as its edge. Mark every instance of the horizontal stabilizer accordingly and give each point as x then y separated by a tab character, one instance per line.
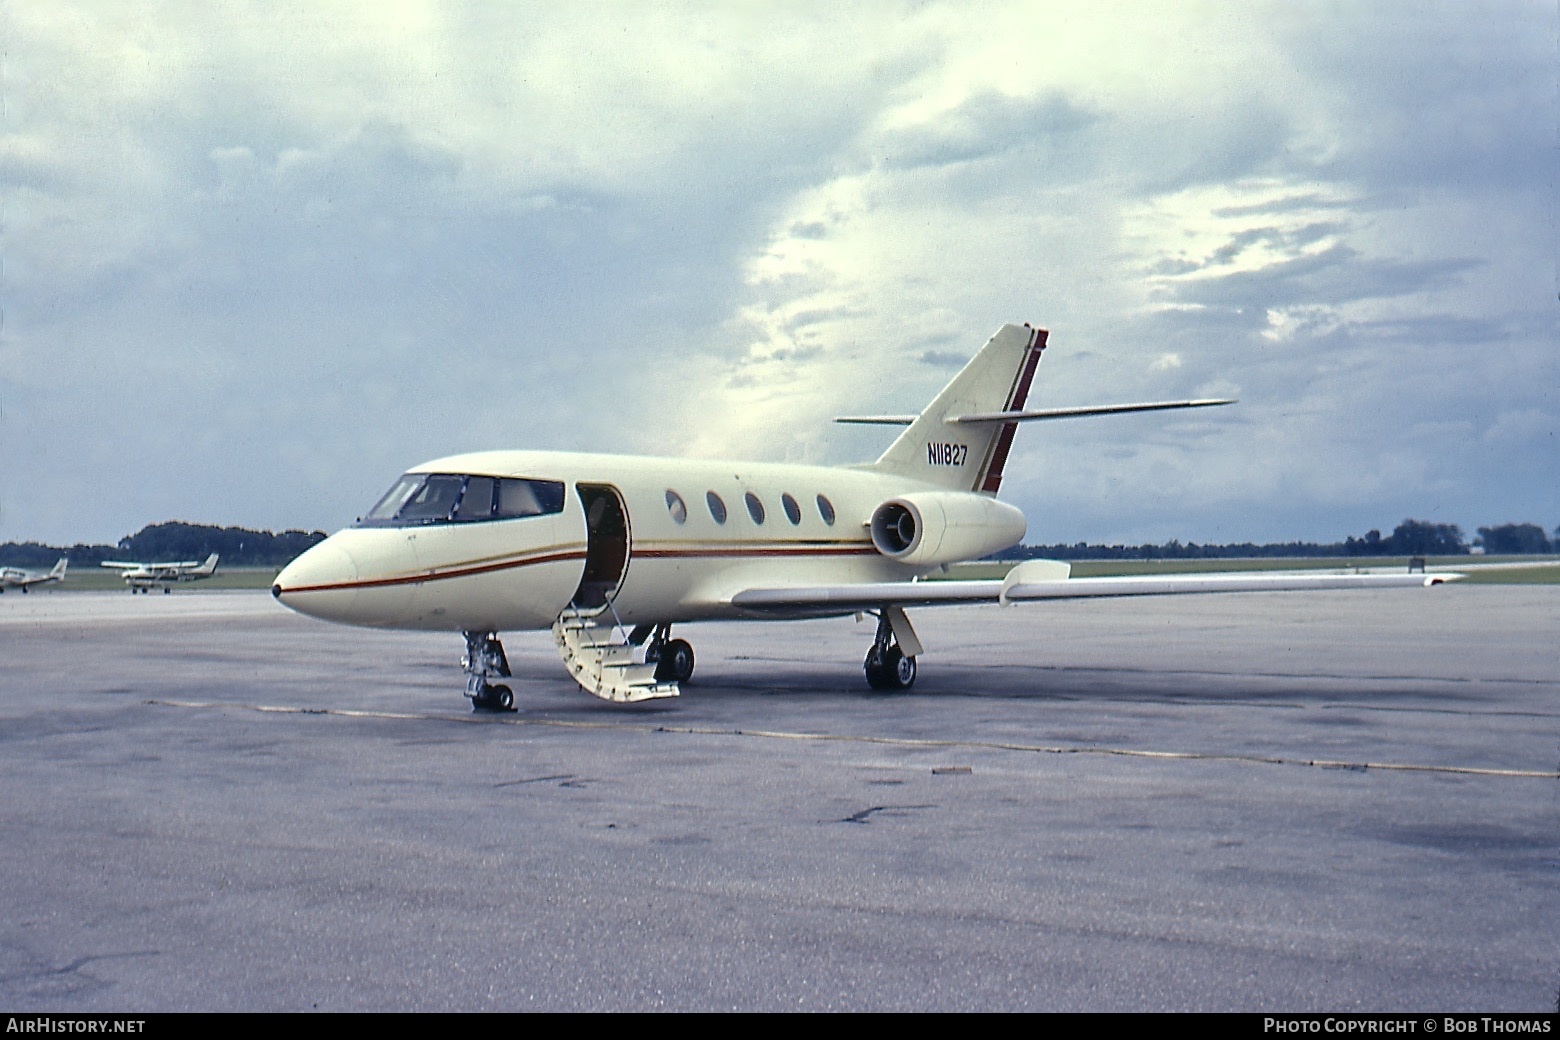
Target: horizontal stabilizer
876	420
1030	415
1071	413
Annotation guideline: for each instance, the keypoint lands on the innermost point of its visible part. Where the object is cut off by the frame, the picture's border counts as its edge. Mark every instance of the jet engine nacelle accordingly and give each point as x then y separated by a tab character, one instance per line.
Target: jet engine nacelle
930	528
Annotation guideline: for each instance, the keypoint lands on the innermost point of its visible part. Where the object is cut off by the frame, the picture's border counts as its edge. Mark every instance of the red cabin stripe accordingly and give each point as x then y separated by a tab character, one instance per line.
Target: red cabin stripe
457	572
460	571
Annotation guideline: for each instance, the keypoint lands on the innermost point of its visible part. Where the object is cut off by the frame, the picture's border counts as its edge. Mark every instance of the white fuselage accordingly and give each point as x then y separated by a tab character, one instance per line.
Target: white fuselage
669	559
16	578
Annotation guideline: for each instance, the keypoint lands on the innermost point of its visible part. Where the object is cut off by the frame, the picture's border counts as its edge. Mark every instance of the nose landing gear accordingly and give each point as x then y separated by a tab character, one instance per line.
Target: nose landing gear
673	658
485	660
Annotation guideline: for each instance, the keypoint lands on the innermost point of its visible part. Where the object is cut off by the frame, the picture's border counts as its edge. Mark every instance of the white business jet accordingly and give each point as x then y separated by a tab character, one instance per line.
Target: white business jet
610	551
16	578
143	577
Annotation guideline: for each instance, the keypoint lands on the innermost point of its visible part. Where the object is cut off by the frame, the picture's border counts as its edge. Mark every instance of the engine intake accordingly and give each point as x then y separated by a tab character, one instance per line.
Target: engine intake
895	528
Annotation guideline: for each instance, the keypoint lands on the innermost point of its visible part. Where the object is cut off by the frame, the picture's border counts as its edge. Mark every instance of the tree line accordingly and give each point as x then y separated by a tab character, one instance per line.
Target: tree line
166	542
1410	538
242	547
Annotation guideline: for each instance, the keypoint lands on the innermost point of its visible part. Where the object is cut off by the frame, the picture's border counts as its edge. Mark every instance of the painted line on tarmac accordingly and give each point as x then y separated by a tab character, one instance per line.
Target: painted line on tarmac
913	742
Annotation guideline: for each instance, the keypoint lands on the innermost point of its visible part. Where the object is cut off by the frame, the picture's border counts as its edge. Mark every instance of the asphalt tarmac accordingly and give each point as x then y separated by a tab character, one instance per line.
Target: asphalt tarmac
1264	802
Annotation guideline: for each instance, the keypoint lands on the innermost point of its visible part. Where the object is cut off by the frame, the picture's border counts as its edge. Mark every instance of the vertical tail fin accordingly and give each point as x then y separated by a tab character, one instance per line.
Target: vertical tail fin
970	456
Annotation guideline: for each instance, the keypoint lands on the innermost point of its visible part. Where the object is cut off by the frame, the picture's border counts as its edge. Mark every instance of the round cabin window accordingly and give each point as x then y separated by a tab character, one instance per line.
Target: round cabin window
793	512
676	506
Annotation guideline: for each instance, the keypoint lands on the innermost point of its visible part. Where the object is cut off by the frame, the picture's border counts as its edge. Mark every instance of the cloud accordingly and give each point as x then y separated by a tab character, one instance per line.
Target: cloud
262	260
982	126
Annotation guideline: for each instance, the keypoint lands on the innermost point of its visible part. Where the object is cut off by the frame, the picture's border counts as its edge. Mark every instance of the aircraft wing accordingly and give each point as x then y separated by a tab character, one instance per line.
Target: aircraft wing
1047	579
177	567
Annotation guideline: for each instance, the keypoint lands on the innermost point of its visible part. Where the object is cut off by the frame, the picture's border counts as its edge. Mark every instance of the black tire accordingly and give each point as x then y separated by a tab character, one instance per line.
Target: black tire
675	663
893	671
873	666
494	698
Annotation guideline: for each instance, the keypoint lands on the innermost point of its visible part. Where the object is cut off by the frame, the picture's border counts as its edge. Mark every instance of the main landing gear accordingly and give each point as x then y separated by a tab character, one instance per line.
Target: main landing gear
485	660
890	664
673	658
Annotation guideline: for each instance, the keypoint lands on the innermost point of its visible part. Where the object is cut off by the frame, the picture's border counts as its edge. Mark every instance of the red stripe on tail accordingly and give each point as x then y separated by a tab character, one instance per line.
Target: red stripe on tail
1016	398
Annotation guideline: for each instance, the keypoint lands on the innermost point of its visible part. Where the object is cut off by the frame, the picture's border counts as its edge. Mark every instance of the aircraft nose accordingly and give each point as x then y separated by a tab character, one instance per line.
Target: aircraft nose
321	582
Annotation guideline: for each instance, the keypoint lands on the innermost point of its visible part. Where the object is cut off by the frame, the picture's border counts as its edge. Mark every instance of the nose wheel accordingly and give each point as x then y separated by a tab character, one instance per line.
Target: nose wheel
485	660
673	658
496	697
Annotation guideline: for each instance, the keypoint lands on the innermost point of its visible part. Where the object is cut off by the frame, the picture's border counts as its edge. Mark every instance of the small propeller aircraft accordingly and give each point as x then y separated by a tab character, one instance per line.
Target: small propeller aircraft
16	578
143	577
611	551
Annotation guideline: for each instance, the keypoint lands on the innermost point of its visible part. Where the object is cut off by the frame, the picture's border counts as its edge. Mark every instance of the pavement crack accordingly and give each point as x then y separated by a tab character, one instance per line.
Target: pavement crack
568	780
80	962
865	815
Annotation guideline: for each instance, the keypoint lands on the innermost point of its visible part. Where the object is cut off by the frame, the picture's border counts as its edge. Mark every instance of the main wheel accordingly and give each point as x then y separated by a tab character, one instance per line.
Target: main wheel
675	663
893	671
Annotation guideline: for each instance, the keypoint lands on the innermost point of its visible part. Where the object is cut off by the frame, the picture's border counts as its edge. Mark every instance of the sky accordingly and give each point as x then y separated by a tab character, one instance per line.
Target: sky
258	259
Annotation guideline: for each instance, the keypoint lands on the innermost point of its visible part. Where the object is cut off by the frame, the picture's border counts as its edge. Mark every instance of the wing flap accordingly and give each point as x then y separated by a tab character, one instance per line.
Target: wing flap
1191	584
865	596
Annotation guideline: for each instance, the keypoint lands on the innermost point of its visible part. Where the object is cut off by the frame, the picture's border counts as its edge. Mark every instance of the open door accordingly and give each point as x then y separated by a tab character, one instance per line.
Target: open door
606	546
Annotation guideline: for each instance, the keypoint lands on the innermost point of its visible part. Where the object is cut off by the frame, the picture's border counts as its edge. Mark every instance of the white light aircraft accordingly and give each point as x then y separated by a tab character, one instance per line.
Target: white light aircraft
143	577
611	551
16	578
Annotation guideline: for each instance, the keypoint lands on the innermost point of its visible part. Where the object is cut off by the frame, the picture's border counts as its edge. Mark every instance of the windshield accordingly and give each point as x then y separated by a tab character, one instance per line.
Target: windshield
444	498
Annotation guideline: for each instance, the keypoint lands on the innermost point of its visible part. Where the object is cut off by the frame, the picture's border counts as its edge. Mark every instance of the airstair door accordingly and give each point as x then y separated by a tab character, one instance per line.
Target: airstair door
606	546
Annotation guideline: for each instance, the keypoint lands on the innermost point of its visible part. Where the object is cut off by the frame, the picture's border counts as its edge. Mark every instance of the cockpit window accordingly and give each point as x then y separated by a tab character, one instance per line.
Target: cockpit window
435	500
443	498
477	501
388	506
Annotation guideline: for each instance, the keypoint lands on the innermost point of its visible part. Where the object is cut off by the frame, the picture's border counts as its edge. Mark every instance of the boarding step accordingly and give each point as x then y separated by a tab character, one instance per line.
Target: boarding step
602	661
